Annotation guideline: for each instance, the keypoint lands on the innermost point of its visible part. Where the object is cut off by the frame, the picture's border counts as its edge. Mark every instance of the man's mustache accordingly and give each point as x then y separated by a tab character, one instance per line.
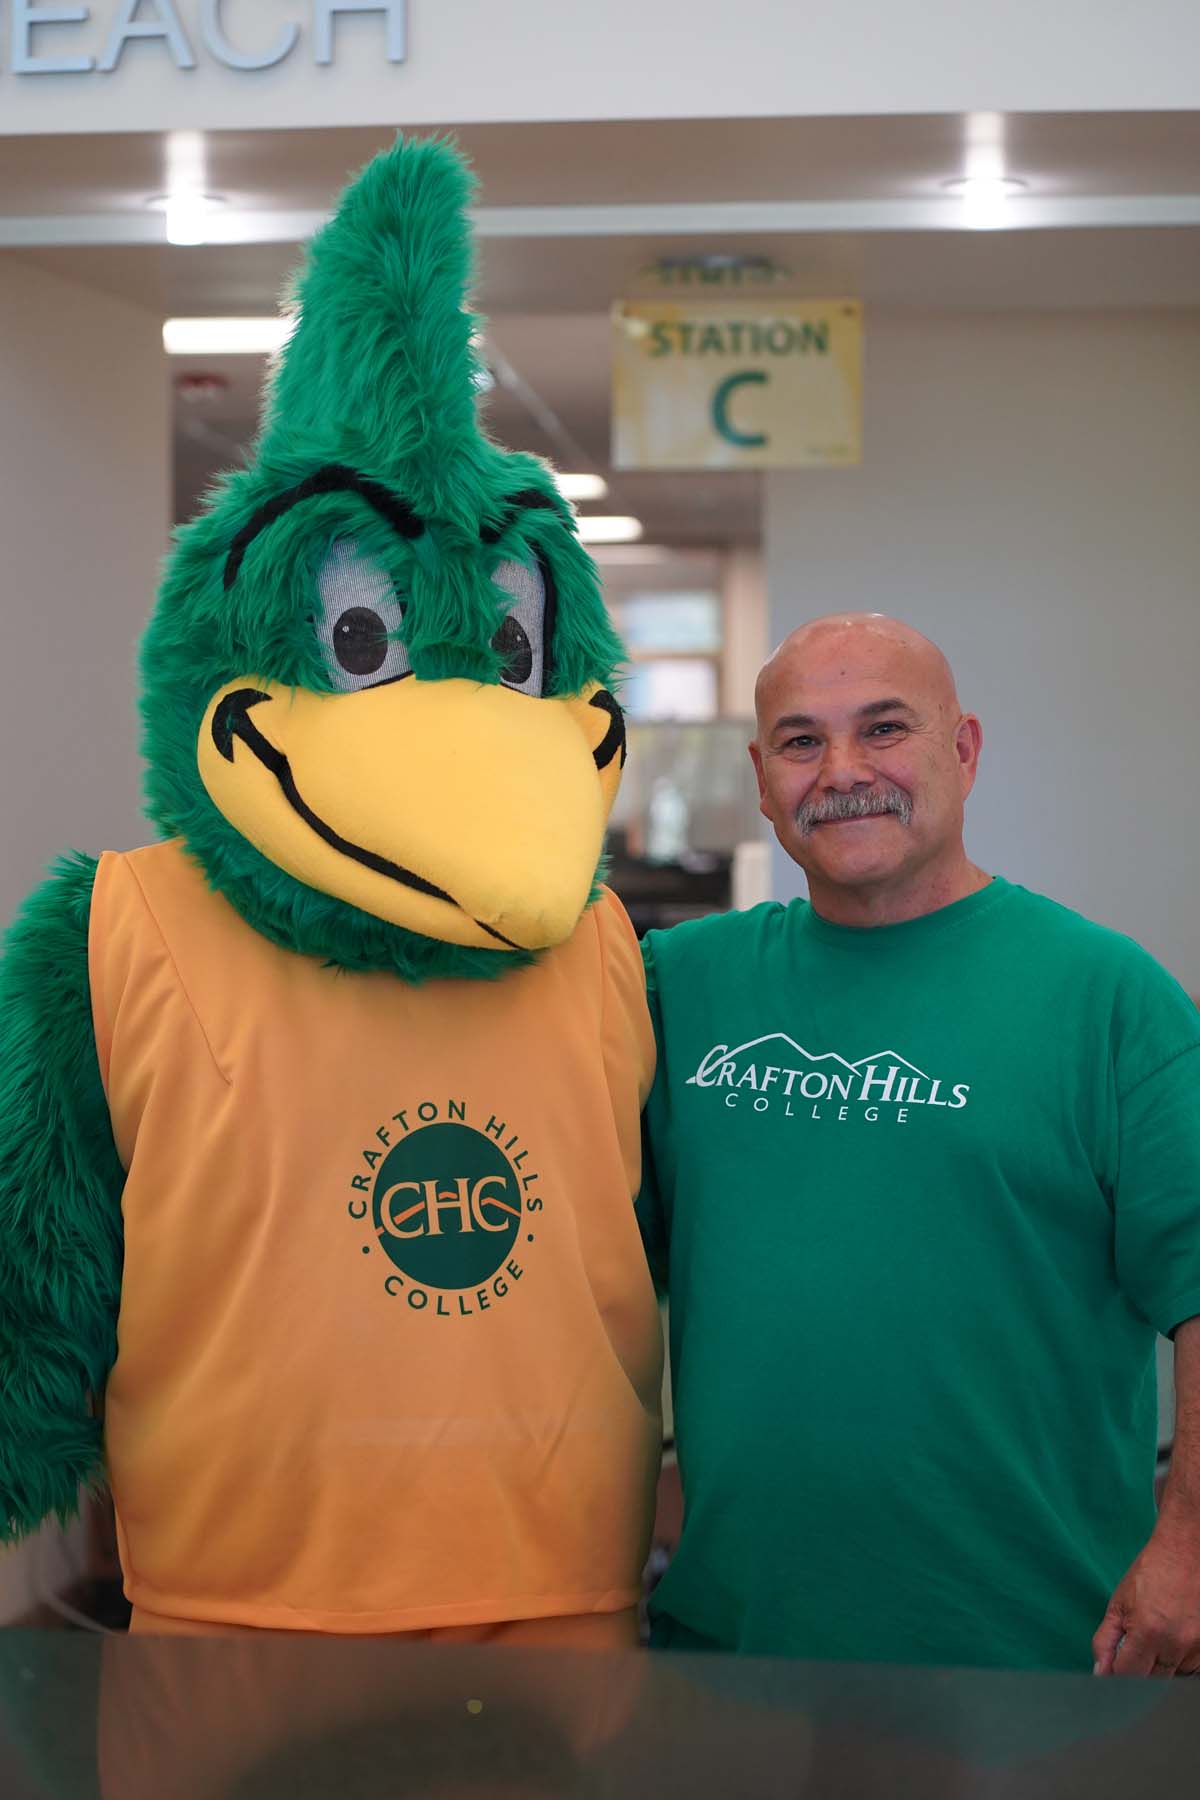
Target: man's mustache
870	803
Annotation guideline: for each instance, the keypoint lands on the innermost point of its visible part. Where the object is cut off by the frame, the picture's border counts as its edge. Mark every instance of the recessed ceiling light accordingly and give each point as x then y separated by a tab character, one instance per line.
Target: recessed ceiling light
609	528
985	198
580	487
226	337
188	212
1007	184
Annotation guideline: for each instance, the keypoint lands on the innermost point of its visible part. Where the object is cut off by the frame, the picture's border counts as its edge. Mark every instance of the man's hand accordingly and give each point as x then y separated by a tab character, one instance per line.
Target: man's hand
1152	1626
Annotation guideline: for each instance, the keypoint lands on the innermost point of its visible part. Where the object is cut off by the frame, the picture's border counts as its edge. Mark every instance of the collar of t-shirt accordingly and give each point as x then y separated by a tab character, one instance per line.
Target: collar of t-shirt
881	940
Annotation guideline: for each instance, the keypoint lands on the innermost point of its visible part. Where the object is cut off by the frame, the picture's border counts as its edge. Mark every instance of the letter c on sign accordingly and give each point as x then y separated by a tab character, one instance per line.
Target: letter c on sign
219	44
744	440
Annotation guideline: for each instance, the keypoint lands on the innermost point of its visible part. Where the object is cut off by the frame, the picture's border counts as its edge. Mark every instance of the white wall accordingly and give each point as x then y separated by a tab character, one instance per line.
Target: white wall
39	1568
84	470
746	630
1030	498
476	60
84	467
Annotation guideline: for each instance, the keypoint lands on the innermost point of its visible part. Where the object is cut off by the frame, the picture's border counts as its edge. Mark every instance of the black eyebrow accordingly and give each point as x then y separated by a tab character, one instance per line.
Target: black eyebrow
332	478
529	499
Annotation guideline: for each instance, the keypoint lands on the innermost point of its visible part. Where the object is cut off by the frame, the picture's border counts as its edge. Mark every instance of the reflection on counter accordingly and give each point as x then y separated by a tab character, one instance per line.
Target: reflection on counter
288	1716
686	836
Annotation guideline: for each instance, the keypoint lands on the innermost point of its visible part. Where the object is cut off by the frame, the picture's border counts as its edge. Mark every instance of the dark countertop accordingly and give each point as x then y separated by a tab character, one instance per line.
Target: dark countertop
302	1718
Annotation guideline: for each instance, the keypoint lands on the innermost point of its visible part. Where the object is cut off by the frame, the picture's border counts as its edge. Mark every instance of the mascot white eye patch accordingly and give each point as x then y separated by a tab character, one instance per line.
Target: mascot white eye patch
521	639
361	621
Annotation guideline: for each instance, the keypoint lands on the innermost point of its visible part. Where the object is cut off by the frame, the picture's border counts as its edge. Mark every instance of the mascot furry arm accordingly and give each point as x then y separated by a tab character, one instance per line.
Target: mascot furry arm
325	1108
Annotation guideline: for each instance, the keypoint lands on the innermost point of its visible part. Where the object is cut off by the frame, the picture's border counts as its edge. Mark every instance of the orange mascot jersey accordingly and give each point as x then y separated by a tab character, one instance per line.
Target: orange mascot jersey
389	1355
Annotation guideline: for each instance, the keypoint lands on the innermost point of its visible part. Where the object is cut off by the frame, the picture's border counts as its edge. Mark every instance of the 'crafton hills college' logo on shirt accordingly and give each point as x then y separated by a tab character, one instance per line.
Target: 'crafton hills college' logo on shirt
449	1202
775	1074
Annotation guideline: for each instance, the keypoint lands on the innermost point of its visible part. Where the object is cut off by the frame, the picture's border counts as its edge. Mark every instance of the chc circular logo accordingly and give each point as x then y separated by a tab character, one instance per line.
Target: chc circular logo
447	1206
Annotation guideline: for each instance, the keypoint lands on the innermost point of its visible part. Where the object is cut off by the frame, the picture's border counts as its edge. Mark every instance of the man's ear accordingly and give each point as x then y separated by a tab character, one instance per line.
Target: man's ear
757	760
968	743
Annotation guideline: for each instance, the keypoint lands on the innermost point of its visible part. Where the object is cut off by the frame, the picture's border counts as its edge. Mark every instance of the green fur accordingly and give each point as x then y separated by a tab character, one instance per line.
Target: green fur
60	1211
379	376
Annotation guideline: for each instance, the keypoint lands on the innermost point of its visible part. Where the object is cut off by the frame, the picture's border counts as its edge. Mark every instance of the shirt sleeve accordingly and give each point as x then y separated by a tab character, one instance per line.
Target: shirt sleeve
1157	1198
651	1210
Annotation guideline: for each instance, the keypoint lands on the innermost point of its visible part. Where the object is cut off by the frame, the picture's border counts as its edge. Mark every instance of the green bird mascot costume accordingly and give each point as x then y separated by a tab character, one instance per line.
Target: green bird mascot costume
319	1118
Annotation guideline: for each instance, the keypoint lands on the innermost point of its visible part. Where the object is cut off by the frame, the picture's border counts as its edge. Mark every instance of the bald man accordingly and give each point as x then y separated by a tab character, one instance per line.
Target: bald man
923	1178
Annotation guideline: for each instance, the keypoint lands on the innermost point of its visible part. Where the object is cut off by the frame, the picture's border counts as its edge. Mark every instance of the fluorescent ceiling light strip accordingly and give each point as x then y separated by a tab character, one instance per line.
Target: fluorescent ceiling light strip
581	486
609	528
226	337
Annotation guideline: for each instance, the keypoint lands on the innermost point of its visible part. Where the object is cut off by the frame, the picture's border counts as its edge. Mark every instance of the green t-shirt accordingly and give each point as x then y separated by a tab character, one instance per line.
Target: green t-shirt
920	1196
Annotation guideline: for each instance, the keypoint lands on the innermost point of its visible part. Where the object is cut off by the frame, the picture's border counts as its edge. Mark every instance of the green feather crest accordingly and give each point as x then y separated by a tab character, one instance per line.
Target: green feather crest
379	377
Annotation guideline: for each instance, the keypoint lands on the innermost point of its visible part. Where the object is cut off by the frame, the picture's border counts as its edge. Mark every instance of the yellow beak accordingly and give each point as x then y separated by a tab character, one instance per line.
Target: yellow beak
468	813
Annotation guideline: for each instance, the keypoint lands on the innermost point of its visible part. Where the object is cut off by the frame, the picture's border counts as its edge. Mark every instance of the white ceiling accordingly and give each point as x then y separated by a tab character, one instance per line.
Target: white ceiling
573	216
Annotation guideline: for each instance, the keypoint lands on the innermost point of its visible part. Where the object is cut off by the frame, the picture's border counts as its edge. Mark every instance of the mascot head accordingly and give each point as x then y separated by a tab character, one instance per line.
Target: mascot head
377	685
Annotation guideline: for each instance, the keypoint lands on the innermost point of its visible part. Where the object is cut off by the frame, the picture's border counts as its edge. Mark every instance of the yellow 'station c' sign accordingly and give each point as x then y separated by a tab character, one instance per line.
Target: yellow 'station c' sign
748	385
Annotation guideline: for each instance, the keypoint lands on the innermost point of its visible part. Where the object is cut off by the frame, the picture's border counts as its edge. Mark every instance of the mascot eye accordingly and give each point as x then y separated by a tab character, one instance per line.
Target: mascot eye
360	641
521	638
512	641
361	620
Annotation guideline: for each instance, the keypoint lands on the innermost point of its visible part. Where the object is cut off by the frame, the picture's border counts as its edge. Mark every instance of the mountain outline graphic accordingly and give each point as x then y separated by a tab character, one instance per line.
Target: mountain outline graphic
781	1037
891	1056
